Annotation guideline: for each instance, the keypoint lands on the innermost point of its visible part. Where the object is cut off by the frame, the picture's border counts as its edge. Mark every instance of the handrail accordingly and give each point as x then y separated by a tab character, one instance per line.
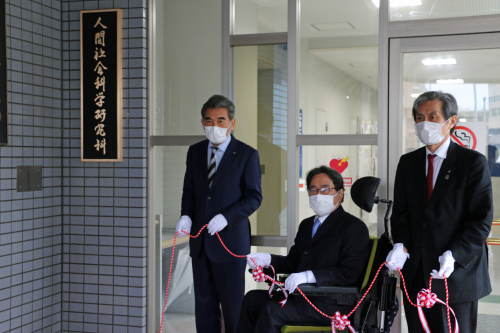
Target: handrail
493	241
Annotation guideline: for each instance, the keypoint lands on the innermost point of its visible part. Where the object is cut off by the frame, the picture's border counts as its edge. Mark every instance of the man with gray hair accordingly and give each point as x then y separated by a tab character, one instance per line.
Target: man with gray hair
442	215
221	189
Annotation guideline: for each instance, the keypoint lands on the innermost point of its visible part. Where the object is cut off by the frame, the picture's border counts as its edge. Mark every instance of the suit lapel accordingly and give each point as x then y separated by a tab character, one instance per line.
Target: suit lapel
226	160
442	181
326	225
420	179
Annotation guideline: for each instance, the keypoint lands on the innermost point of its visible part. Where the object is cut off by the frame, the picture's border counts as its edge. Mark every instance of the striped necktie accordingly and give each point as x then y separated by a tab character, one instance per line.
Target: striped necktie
211	167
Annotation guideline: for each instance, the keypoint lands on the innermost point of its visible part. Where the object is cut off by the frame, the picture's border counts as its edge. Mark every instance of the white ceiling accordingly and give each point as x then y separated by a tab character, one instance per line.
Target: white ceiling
433	9
473	66
360	62
360	18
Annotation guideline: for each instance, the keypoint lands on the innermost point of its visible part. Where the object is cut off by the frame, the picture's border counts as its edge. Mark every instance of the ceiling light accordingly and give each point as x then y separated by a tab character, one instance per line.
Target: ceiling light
363	64
399	3
405	3
462	120
415	95
449	81
431	62
333	26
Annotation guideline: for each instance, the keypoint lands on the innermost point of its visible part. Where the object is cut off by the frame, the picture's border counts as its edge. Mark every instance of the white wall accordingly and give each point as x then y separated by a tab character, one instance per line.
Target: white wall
188	63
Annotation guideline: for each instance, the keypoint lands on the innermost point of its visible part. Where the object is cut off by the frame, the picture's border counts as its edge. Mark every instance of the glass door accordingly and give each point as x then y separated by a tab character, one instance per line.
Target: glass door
467	66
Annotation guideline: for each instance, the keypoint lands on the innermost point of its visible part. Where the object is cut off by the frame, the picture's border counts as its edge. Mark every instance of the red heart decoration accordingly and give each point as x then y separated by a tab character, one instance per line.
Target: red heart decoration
337	165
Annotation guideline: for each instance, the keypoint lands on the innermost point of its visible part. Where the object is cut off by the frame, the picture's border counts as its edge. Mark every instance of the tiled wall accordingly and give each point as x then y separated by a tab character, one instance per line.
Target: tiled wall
104	204
30	222
72	256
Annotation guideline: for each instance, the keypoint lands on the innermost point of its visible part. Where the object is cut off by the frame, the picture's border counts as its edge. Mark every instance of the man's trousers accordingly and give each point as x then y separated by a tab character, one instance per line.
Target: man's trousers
217	286
262	314
436	316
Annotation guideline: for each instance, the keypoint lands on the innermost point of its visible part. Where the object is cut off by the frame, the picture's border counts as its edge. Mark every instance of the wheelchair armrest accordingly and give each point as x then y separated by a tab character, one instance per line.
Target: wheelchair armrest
343	295
313	290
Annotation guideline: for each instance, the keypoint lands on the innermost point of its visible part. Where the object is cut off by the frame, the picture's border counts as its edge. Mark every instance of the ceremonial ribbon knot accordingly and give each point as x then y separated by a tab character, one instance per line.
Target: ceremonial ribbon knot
340	322
426	299
258	274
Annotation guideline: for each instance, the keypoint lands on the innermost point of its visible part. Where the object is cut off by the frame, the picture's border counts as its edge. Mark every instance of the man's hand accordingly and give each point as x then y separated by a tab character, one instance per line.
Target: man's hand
294	280
261	259
216	224
397	257
447	266
184	224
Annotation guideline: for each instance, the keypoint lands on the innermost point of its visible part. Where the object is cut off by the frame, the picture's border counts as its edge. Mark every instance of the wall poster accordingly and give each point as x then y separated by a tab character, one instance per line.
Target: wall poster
101	86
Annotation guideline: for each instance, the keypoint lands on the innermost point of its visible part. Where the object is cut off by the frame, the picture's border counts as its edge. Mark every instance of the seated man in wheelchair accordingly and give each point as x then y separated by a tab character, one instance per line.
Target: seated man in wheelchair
331	249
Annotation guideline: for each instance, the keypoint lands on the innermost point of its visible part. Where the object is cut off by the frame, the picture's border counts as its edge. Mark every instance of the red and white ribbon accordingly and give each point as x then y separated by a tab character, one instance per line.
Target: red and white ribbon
259	276
271	288
427	299
424	299
341	322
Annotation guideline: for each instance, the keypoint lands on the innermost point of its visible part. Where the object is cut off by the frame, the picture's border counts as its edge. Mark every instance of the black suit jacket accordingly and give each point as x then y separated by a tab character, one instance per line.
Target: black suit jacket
337	255
458	218
235	193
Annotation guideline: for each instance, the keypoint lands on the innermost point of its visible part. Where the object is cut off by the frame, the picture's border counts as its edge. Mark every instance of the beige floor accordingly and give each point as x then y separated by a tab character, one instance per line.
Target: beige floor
179	323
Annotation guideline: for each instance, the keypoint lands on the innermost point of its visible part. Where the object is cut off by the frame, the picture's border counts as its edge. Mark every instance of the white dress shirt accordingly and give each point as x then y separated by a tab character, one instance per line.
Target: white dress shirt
441	153
219	152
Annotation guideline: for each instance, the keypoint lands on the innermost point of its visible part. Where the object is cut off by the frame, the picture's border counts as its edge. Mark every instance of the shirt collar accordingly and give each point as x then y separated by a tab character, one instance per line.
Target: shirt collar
442	151
322	218
222	146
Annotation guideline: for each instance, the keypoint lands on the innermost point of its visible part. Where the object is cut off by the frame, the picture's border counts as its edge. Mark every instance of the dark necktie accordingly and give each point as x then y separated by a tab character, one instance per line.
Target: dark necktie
430	175
211	167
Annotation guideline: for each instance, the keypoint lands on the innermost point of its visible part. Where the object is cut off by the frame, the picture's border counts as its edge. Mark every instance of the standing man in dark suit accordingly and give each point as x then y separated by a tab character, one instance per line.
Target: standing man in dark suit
442	215
221	188
331	249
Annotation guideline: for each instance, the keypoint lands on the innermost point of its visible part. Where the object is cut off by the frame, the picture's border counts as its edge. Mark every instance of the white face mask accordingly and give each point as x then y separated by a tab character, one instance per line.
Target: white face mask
430	133
322	204
216	134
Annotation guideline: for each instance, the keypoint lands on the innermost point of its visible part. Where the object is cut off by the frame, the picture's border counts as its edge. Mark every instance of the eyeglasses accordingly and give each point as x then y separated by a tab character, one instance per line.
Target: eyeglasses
323	190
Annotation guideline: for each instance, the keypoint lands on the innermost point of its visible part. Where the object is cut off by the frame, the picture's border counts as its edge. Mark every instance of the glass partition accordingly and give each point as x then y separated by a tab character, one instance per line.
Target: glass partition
339	67
260	16
352	162
472	77
187	63
260	97
406	10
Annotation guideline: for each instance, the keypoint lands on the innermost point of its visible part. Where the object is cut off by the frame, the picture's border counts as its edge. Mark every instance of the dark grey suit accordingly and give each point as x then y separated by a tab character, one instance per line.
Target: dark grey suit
457	217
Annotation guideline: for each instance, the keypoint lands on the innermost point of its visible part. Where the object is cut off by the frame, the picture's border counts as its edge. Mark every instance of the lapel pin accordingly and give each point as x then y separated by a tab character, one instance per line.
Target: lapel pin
447	177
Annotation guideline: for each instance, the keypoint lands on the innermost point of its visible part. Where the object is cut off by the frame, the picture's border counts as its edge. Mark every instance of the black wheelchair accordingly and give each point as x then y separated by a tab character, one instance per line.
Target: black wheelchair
365	319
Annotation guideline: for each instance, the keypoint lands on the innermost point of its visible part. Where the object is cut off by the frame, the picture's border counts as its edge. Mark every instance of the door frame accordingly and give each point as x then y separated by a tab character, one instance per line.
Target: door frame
397	48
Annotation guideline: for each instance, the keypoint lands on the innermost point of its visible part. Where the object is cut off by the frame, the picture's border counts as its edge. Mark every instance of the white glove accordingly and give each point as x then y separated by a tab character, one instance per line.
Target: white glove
261	259
447	266
184	224
216	224
396	258
294	280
